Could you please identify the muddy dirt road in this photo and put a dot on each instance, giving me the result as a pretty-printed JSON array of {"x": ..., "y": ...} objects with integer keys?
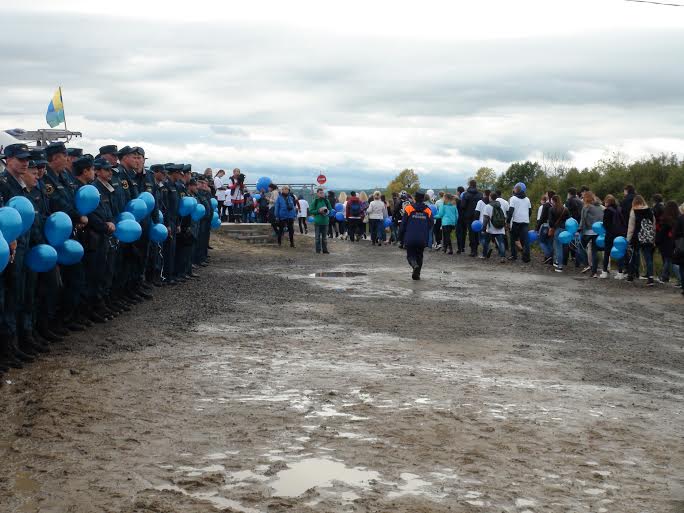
[{"x": 259, "y": 388}]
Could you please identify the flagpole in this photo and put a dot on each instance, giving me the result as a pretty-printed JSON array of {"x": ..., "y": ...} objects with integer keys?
[{"x": 64, "y": 113}]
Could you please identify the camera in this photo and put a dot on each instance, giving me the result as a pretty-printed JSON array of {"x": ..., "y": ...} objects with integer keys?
[
  {"x": 241, "y": 178},
  {"x": 324, "y": 211}
]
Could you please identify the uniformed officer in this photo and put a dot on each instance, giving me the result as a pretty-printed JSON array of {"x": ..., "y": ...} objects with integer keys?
[
  {"x": 60, "y": 191},
  {"x": 204, "y": 198},
  {"x": 19, "y": 341},
  {"x": 171, "y": 222},
  {"x": 184, "y": 237},
  {"x": 160, "y": 192},
  {"x": 144, "y": 181}
]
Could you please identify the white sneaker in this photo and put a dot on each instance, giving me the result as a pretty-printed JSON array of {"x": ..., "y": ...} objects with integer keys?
[
  {"x": 620, "y": 276},
  {"x": 586, "y": 269},
  {"x": 558, "y": 270},
  {"x": 604, "y": 275},
  {"x": 439, "y": 246}
]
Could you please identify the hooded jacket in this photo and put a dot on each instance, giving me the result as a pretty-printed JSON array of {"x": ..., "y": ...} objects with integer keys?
[
  {"x": 469, "y": 202},
  {"x": 590, "y": 215}
]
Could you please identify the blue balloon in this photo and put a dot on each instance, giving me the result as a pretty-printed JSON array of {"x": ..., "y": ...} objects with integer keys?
[
  {"x": 263, "y": 183},
  {"x": 158, "y": 233},
  {"x": 565, "y": 237},
  {"x": 41, "y": 258},
  {"x": 617, "y": 253},
  {"x": 601, "y": 241},
  {"x": 214, "y": 203},
  {"x": 87, "y": 198},
  {"x": 256, "y": 197},
  {"x": 571, "y": 225},
  {"x": 331, "y": 213},
  {"x": 198, "y": 212},
  {"x": 339, "y": 207},
  {"x": 186, "y": 206},
  {"x": 125, "y": 215},
  {"x": 149, "y": 200},
  {"x": 522, "y": 186},
  {"x": 215, "y": 221},
  {"x": 476, "y": 225},
  {"x": 161, "y": 217},
  {"x": 388, "y": 222},
  {"x": 621, "y": 243},
  {"x": 339, "y": 216},
  {"x": 532, "y": 236},
  {"x": 69, "y": 253},
  {"x": 138, "y": 208},
  {"x": 11, "y": 224},
  {"x": 58, "y": 228},
  {"x": 26, "y": 210},
  {"x": 433, "y": 208},
  {"x": 4, "y": 253},
  {"x": 598, "y": 228},
  {"x": 128, "y": 231},
  {"x": 310, "y": 219}
]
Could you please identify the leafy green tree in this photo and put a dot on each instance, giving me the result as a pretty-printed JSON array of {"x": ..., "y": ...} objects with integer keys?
[
  {"x": 407, "y": 181},
  {"x": 485, "y": 178},
  {"x": 525, "y": 172}
]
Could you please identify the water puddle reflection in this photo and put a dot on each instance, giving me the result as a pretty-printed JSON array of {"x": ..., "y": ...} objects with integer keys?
[{"x": 322, "y": 473}]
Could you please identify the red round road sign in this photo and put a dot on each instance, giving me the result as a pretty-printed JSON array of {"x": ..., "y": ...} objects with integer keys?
[{"x": 321, "y": 179}]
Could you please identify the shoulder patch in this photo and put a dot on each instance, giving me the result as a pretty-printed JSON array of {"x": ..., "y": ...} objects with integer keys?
[
  {"x": 49, "y": 189},
  {"x": 182, "y": 194},
  {"x": 124, "y": 184}
]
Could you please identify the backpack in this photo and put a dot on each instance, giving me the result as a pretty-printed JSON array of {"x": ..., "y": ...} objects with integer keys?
[
  {"x": 646, "y": 232},
  {"x": 355, "y": 209},
  {"x": 498, "y": 219}
]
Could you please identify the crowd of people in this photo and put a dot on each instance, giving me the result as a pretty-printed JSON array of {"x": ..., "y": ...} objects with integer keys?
[
  {"x": 39, "y": 308},
  {"x": 479, "y": 223}
]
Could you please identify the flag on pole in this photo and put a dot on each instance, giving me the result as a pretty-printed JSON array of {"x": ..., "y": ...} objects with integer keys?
[{"x": 55, "y": 112}]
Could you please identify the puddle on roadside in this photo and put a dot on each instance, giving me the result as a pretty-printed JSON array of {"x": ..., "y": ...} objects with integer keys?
[
  {"x": 321, "y": 473},
  {"x": 337, "y": 274},
  {"x": 24, "y": 484},
  {"x": 214, "y": 498}
]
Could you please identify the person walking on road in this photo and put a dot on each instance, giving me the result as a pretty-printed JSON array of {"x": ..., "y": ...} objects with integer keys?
[{"x": 415, "y": 229}]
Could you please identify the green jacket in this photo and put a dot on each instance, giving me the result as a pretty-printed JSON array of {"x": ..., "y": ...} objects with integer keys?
[{"x": 317, "y": 204}]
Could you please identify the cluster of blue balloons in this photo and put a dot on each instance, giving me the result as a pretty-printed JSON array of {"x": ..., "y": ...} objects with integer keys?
[
  {"x": 388, "y": 222},
  {"x": 619, "y": 248}
]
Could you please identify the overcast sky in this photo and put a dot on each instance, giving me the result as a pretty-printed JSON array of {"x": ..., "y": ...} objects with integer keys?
[{"x": 359, "y": 90}]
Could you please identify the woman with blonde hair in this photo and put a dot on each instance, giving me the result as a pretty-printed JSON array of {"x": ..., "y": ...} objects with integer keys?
[
  {"x": 342, "y": 198},
  {"x": 376, "y": 214},
  {"x": 641, "y": 237},
  {"x": 363, "y": 197}
]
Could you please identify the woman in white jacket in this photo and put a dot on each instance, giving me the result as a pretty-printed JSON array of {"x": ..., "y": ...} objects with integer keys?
[{"x": 376, "y": 213}]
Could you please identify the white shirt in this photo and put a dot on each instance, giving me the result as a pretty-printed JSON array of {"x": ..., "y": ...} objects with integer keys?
[
  {"x": 218, "y": 185},
  {"x": 303, "y": 208},
  {"x": 488, "y": 211},
  {"x": 376, "y": 210},
  {"x": 539, "y": 211},
  {"x": 522, "y": 207},
  {"x": 480, "y": 207}
]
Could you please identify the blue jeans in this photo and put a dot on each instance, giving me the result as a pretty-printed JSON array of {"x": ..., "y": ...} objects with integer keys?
[
  {"x": 558, "y": 250},
  {"x": 498, "y": 240},
  {"x": 545, "y": 242},
  {"x": 667, "y": 269},
  {"x": 321, "y": 237},
  {"x": 635, "y": 263},
  {"x": 376, "y": 227}
]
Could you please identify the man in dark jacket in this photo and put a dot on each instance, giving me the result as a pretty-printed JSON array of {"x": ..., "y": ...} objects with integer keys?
[
  {"x": 574, "y": 204},
  {"x": 626, "y": 204},
  {"x": 415, "y": 228},
  {"x": 468, "y": 204}
]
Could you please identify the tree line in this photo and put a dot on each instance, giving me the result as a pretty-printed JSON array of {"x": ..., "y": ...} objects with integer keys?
[{"x": 663, "y": 174}]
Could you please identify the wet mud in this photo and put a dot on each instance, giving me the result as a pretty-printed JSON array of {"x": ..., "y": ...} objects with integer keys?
[{"x": 272, "y": 385}]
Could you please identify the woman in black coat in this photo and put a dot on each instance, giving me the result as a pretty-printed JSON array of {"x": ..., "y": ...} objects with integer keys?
[{"x": 678, "y": 253}]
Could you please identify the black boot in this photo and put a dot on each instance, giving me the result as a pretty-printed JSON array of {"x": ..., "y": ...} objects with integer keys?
[
  {"x": 18, "y": 353},
  {"x": 7, "y": 358},
  {"x": 30, "y": 345}
]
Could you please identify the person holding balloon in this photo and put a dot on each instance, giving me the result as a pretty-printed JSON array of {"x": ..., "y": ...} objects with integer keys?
[
  {"x": 591, "y": 219},
  {"x": 519, "y": 213},
  {"x": 558, "y": 215},
  {"x": 16, "y": 220},
  {"x": 285, "y": 213},
  {"x": 614, "y": 226}
]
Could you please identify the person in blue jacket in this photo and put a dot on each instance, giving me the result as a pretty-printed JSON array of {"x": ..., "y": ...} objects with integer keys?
[
  {"x": 448, "y": 213},
  {"x": 416, "y": 225},
  {"x": 285, "y": 214}
]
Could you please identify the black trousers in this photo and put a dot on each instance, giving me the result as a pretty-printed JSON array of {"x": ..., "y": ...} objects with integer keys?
[
  {"x": 302, "y": 224},
  {"x": 437, "y": 231},
  {"x": 414, "y": 255},
  {"x": 446, "y": 230},
  {"x": 290, "y": 230}
]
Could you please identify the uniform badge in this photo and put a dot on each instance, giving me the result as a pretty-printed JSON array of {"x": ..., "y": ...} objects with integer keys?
[
  {"x": 182, "y": 195},
  {"x": 124, "y": 184},
  {"x": 49, "y": 189}
]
